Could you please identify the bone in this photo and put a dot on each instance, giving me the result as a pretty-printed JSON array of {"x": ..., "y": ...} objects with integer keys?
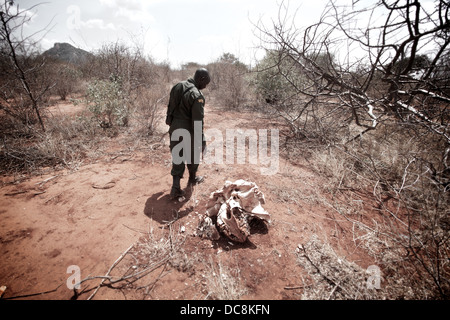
[{"x": 233, "y": 206}]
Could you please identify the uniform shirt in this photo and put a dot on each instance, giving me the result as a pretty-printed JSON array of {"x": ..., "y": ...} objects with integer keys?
[{"x": 190, "y": 108}]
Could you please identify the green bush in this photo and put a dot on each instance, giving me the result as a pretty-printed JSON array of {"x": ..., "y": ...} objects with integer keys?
[{"x": 108, "y": 103}]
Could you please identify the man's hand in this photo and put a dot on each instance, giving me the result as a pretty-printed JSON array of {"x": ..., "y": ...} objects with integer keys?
[{"x": 203, "y": 147}]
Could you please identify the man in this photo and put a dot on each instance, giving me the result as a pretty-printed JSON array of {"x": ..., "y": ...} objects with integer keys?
[{"x": 184, "y": 113}]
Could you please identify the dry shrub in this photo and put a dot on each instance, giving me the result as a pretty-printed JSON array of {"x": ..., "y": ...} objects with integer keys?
[
  {"x": 233, "y": 93},
  {"x": 229, "y": 83},
  {"x": 149, "y": 106},
  {"x": 400, "y": 168},
  {"x": 151, "y": 255},
  {"x": 68, "y": 79},
  {"x": 223, "y": 283},
  {"x": 69, "y": 141},
  {"x": 65, "y": 143},
  {"x": 333, "y": 277},
  {"x": 167, "y": 247}
]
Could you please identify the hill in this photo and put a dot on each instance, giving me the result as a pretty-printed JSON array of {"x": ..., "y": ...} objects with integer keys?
[{"x": 68, "y": 53}]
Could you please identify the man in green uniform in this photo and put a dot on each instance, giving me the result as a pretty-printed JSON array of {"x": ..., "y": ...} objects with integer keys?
[{"x": 185, "y": 114}]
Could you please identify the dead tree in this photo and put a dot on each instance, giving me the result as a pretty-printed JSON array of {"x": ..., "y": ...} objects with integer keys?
[
  {"x": 371, "y": 70},
  {"x": 21, "y": 88},
  {"x": 366, "y": 66}
]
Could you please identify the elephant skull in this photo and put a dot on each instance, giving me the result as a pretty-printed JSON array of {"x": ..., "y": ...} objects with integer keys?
[{"x": 234, "y": 206}]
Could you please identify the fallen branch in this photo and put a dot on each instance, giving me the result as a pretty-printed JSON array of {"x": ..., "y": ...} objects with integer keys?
[
  {"x": 329, "y": 280},
  {"x": 150, "y": 287},
  {"x": 298, "y": 287},
  {"x": 46, "y": 180},
  {"x": 135, "y": 276},
  {"x": 110, "y": 269},
  {"x": 130, "y": 156},
  {"x": 15, "y": 192},
  {"x": 332, "y": 291}
]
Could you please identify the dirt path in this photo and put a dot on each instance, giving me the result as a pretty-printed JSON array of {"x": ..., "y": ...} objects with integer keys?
[{"x": 90, "y": 216}]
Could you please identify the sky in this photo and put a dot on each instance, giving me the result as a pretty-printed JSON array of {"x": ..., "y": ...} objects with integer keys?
[{"x": 171, "y": 31}]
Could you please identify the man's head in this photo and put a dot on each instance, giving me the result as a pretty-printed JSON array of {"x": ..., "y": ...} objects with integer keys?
[{"x": 202, "y": 78}]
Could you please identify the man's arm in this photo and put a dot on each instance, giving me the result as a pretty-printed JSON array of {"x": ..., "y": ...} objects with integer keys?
[
  {"x": 198, "y": 107},
  {"x": 173, "y": 103},
  {"x": 198, "y": 113}
]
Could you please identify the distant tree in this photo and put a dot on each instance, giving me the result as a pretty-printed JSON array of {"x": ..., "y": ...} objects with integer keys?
[
  {"x": 229, "y": 80},
  {"x": 190, "y": 66},
  {"x": 68, "y": 77}
]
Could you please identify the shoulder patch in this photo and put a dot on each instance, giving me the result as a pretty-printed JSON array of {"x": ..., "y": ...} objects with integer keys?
[{"x": 201, "y": 100}]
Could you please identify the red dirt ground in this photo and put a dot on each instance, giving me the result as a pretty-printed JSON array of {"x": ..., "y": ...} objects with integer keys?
[{"x": 88, "y": 217}]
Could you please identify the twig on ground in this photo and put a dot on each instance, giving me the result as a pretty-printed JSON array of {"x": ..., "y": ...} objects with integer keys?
[
  {"x": 33, "y": 294},
  {"x": 134, "y": 277},
  {"x": 329, "y": 280},
  {"x": 298, "y": 287},
  {"x": 13, "y": 193},
  {"x": 46, "y": 180},
  {"x": 110, "y": 269}
]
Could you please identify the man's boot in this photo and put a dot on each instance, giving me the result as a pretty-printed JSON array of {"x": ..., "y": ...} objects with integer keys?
[
  {"x": 194, "y": 179},
  {"x": 176, "y": 188}
]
